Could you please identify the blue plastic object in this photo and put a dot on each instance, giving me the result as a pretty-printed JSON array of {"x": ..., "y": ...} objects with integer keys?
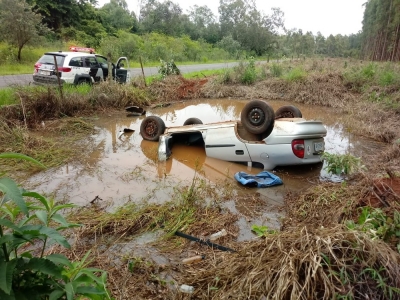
[{"x": 262, "y": 180}]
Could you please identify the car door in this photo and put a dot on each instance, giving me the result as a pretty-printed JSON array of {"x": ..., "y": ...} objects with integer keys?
[
  {"x": 103, "y": 65},
  {"x": 222, "y": 143},
  {"x": 121, "y": 71},
  {"x": 94, "y": 68}
]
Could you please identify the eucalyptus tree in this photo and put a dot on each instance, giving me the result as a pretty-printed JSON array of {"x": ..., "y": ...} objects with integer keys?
[
  {"x": 203, "y": 24},
  {"x": 251, "y": 28},
  {"x": 19, "y": 25},
  {"x": 320, "y": 44},
  {"x": 381, "y": 30}
]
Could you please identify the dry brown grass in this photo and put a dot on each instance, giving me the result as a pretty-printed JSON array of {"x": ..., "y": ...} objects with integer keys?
[{"x": 300, "y": 264}]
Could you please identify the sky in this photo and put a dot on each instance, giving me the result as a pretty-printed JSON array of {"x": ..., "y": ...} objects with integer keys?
[{"x": 327, "y": 16}]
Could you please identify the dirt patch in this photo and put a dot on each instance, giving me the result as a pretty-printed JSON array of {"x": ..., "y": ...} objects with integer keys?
[{"x": 383, "y": 193}]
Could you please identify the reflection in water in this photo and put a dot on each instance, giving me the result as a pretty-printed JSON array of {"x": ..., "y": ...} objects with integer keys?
[{"x": 126, "y": 168}]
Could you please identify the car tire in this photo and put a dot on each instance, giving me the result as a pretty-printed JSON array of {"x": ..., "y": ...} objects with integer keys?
[
  {"x": 151, "y": 128},
  {"x": 257, "y": 116},
  {"x": 192, "y": 121},
  {"x": 83, "y": 81},
  {"x": 288, "y": 111},
  {"x": 267, "y": 132}
]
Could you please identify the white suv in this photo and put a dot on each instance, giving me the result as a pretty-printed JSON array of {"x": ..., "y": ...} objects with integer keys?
[{"x": 78, "y": 68}]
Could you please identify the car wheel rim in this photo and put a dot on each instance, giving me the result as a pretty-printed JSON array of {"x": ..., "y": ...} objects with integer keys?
[
  {"x": 256, "y": 116},
  {"x": 151, "y": 128}
]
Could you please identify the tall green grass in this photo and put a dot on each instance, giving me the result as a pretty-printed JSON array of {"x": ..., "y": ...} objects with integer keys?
[
  {"x": 7, "y": 96},
  {"x": 295, "y": 74}
]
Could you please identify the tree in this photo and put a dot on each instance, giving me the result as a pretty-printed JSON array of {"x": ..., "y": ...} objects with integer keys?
[
  {"x": 58, "y": 14},
  {"x": 245, "y": 23},
  {"x": 115, "y": 16},
  {"x": 160, "y": 17},
  {"x": 203, "y": 24},
  {"x": 26, "y": 24}
]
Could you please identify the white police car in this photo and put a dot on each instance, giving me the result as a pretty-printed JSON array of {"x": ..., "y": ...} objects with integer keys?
[{"x": 78, "y": 66}]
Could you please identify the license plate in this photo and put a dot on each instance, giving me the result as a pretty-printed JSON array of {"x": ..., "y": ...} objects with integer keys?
[
  {"x": 42, "y": 72},
  {"x": 318, "y": 147}
]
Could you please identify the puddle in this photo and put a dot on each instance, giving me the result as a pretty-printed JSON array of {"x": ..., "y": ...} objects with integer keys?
[{"x": 124, "y": 167}]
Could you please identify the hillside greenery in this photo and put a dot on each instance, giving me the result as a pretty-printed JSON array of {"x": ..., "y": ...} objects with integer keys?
[{"x": 161, "y": 30}]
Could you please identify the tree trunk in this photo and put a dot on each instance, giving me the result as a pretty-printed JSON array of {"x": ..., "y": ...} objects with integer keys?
[
  {"x": 395, "y": 43},
  {"x": 19, "y": 53}
]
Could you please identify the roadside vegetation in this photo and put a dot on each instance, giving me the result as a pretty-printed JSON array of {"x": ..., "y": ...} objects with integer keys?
[{"x": 336, "y": 241}]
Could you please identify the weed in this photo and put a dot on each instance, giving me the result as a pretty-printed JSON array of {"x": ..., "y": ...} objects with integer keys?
[
  {"x": 276, "y": 70},
  {"x": 388, "y": 77},
  {"x": 249, "y": 75},
  {"x": 342, "y": 164},
  {"x": 295, "y": 74},
  {"x": 376, "y": 223},
  {"x": 262, "y": 230},
  {"x": 168, "y": 68},
  {"x": 227, "y": 77}
]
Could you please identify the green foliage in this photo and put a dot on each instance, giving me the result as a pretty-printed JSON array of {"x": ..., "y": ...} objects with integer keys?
[
  {"x": 340, "y": 164},
  {"x": 249, "y": 75},
  {"x": 25, "y": 24},
  {"x": 262, "y": 230},
  {"x": 295, "y": 74},
  {"x": 378, "y": 225},
  {"x": 276, "y": 70},
  {"x": 168, "y": 68},
  {"x": 368, "y": 71},
  {"x": 25, "y": 272},
  {"x": 7, "y": 96}
]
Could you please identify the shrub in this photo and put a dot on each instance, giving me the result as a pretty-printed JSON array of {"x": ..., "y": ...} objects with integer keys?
[
  {"x": 27, "y": 273},
  {"x": 249, "y": 75},
  {"x": 168, "y": 68},
  {"x": 340, "y": 164}
]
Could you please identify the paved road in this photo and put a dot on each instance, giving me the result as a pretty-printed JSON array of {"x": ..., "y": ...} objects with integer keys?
[{"x": 26, "y": 79}]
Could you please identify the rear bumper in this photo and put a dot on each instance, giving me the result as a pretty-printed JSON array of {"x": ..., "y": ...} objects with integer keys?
[{"x": 44, "y": 80}]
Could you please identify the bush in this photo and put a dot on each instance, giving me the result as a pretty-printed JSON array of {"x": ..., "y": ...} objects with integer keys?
[{"x": 249, "y": 75}]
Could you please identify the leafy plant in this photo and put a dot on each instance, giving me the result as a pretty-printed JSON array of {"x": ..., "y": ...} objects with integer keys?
[
  {"x": 376, "y": 223},
  {"x": 168, "y": 68},
  {"x": 262, "y": 230},
  {"x": 27, "y": 228},
  {"x": 340, "y": 164}
]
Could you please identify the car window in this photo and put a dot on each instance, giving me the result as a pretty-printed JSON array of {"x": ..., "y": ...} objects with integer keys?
[
  {"x": 101, "y": 59},
  {"x": 76, "y": 62},
  {"x": 90, "y": 62},
  {"x": 49, "y": 59}
]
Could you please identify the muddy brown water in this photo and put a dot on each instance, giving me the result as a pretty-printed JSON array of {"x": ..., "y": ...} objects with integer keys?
[{"x": 124, "y": 167}]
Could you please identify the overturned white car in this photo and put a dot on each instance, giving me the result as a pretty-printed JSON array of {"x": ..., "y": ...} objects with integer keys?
[{"x": 262, "y": 136}]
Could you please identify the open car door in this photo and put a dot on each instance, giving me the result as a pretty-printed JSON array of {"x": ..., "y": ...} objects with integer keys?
[{"x": 121, "y": 71}]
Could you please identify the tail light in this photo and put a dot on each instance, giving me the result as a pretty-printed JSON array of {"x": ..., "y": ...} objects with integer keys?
[
  {"x": 37, "y": 66},
  {"x": 64, "y": 69},
  {"x": 298, "y": 148}
]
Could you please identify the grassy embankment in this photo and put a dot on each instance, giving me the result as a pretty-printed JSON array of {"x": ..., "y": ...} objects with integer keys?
[{"x": 338, "y": 241}]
